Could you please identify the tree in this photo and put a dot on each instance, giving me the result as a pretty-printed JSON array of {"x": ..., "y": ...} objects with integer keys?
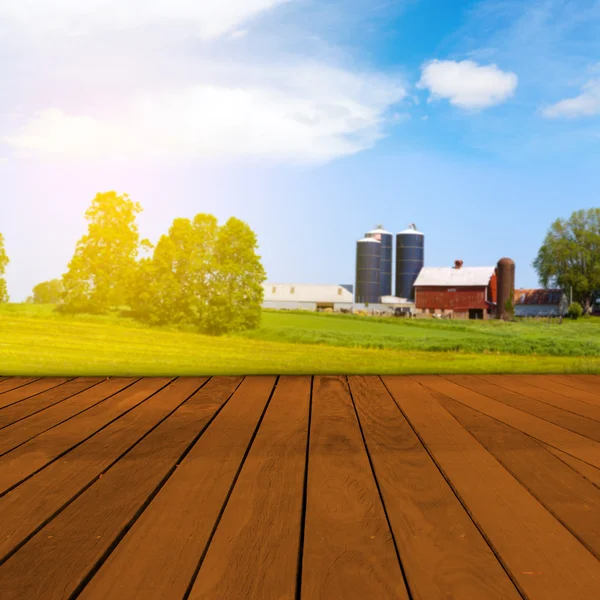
[
  {"x": 3, "y": 264},
  {"x": 570, "y": 255},
  {"x": 48, "y": 292},
  {"x": 202, "y": 275},
  {"x": 105, "y": 258},
  {"x": 237, "y": 287},
  {"x": 174, "y": 286},
  {"x": 575, "y": 310}
]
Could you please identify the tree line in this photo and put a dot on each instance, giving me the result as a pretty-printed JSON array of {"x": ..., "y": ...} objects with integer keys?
[
  {"x": 200, "y": 273},
  {"x": 210, "y": 276},
  {"x": 569, "y": 257}
]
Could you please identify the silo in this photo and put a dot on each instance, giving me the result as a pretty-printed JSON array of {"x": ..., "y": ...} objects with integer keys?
[
  {"x": 368, "y": 262},
  {"x": 505, "y": 286},
  {"x": 410, "y": 257},
  {"x": 385, "y": 275}
]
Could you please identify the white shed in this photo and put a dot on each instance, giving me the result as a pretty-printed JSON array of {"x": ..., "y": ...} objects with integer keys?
[{"x": 306, "y": 296}]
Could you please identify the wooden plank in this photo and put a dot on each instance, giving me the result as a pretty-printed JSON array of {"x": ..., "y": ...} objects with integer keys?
[
  {"x": 33, "y": 405},
  {"x": 35, "y": 454},
  {"x": 161, "y": 552},
  {"x": 30, "y": 505},
  {"x": 552, "y": 385},
  {"x": 264, "y": 512},
  {"x": 12, "y": 383},
  {"x": 592, "y": 474},
  {"x": 31, "y": 389},
  {"x": 544, "y": 559},
  {"x": 563, "y": 418},
  {"x": 349, "y": 550},
  {"x": 523, "y": 386},
  {"x": 20, "y": 432},
  {"x": 586, "y": 383},
  {"x": 573, "y": 500},
  {"x": 567, "y": 441},
  {"x": 87, "y": 529},
  {"x": 443, "y": 553}
]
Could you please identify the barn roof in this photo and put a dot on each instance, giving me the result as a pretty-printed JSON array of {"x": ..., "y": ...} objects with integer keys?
[
  {"x": 538, "y": 297},
  {"x": 449, "y": 277}
]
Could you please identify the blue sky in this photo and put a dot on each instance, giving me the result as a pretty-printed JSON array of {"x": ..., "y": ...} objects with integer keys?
[{"x": 313, "y": 120}]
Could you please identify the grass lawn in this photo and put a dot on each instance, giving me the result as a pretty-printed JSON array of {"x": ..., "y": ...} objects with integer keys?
[
  {"x": 570, "y": 338},
  {"x": 36, "y": 341}
]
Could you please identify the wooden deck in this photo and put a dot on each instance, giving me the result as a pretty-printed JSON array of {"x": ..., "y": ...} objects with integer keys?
[{"x": 297, "y": 487}]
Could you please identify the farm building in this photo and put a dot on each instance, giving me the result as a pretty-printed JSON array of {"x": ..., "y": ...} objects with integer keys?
[
  {"x": 456, "y": 292},
  {"x": 304, "y": 296},
  {"x": 538, "y": 303}
]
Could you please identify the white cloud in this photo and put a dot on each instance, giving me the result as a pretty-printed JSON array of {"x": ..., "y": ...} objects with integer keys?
[
  {"x": 209, "y": 18},
  {"x": 467, "y": 84},
  {"x": 307, "y": 112},
  {"x": 238, "y": 33},
  {"x": 584, "y": 105}
]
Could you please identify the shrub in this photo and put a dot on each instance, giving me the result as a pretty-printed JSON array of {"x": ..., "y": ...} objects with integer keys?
[{"x": 575, "y": 311}]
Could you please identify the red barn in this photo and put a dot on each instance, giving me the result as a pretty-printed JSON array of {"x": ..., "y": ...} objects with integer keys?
[{"x": 459, "y": 292}]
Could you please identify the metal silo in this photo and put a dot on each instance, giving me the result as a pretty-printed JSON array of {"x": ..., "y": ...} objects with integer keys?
[
  {"x": 505, "y": 285},
  {"x": 410, "y": 257},
  {"x": 368, "y": 263},
  {"x": 387, "y": 242}
]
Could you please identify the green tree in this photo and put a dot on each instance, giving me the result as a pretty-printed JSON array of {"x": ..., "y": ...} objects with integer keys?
[
  {"x": 105, "y": 259},
  {"x": 570, "y": 255},
  {"x": 202, "y": 275},
  {"x": 3, "y": 264},
  {"x": 575, "y": 311},
  {"x": 237, "y": 296},
  {"x": 48, "y": 292},
  {"x": 174, "y": 286}
]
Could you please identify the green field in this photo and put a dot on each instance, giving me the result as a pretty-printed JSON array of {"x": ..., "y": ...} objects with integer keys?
[{"x": 36, "y": 341}]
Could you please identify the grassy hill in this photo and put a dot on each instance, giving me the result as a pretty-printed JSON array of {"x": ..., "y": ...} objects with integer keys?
[{"x": 34, "y": 340}]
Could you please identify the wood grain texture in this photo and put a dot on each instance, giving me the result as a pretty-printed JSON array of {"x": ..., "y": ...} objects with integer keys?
[
  {"x": 443, "y": 553},
  {"x": 28, "y": 506},
  {"x": 567, "y": 441},
  {"x": 20, "y": 432},
  {"x": 141, "y": 495},
  {"x": 159, "y": 555},
  {"x": 12, "y": 383},
  {"x": 254, "y": 552},
  {"x": 586, "y": 383},
  {"x": 563, "y": 568},
  {"x": 592, "y": 474},
  {"x": 30, "y": 389},
  {"x": 348, "y": 547},
  {"x": 46, "y": 447},
  {"x": 568, "y": 391},
  {"x": 563, "y": 418},
  {"x": 31, "y": 406},
  {"x": 573, "y": 500},
  {"x": 525, "y": 387},
  {"x": 87, "y": 528}
]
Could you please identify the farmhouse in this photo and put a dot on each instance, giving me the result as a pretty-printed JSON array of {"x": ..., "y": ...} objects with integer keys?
[
  {"x": 456, "y": 292},
  {"x": 303, "y": 296},
  {"x": 538, "y": 303}
]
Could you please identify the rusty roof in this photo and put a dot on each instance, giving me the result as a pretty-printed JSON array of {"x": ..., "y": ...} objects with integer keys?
[{"x": 540, "y": 296}]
